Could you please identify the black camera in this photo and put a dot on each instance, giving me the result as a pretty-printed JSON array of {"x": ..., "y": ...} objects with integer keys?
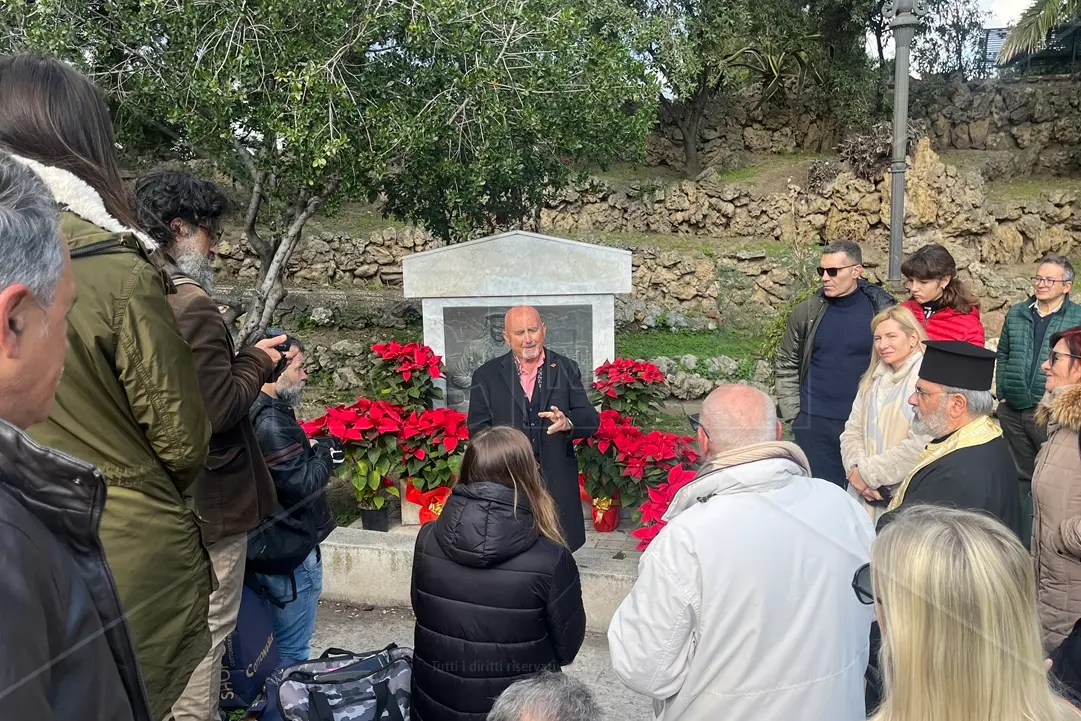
[
  {"x": 282, "y": 348},
  {"x": 337, "y": 453}
]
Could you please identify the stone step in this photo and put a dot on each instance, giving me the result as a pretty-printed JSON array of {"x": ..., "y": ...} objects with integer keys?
[{"x": 374, "y": 568}]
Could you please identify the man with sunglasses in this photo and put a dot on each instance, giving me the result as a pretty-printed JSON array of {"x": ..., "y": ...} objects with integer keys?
[
  {"x": 968, "y": 464},
  {"x": 825, "y": 350},
  {"x": 1022, "y": 346},
  {"x": 235, "y": 489}
]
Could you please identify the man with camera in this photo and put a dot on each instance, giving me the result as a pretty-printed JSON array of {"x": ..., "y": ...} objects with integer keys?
[
  {"x": 235, "y": 490},
  {"x": 283, "y": 554}
]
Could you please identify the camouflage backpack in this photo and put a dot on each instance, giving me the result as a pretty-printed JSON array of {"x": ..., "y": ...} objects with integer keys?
[{"x": 346, "y": 686}]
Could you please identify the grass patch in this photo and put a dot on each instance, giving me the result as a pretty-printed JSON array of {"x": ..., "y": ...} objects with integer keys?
[
  {"x": 1025, "y": 189},
  {"x": 650, "y": 344},
  {"x": 630, "y": 172}
]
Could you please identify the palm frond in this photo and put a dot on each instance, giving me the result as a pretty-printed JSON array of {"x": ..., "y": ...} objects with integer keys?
[{"x": 1035, "y": 23}]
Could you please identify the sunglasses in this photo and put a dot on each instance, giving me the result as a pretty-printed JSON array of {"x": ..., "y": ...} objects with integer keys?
[
  {"x": 861, "y": 584},
  {"x": 832, "y": 272},
  {"x": 695, "y": 420}
]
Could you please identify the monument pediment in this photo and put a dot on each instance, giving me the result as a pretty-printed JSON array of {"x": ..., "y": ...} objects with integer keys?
[{"x": 514, "y": 264}]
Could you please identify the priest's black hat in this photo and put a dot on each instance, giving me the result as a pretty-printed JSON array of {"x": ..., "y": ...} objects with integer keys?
[{"x": 958, "y": 364}]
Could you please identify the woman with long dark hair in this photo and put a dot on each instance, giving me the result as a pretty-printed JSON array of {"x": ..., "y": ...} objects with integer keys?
[
  {"x": 940, "y": 301},
  {"x": 495, "y": 589},
  {"x": 129, "y": 400}
]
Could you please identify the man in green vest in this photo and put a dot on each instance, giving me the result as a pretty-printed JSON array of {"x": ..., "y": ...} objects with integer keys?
[{"x": 1022, "y": 347}]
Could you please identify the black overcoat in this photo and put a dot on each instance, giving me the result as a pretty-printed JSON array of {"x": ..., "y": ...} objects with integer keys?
[{"x": 497, "y": 399}]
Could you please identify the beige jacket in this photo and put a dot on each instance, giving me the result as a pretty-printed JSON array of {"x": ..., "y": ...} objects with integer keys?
[
  {"x": 878, "y": 436},
  {"x": 1056, "y": 525}
]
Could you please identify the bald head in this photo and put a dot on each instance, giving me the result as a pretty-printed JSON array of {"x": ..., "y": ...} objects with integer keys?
[
  {"x": 524, "y": 333},
  {"x": 738, "y": 415}
]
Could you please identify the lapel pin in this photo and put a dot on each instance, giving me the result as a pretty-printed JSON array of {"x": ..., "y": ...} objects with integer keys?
[{"x": 553, "y": 365}]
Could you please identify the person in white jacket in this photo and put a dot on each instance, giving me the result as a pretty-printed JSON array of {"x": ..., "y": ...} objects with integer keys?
[
  {"x": 743, "y": 609},
  {"x": 878, "y": 446}
]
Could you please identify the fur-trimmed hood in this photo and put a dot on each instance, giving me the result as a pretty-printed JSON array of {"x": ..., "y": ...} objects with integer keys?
[
  {"x": 76, "y": 195},
  {"x": 1061, "y": 406}
]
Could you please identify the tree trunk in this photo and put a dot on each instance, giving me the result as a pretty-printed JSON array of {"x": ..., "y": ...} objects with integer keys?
[
  {"x": 270, "y": 291},
  {"x": 690, "y": 150}
]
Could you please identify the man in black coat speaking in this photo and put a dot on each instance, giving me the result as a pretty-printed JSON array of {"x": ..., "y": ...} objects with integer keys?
[{"x": 538, "y": 391}]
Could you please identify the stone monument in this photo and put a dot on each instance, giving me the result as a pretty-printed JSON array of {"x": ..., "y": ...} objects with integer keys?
[{"x": 466, "y": 289}]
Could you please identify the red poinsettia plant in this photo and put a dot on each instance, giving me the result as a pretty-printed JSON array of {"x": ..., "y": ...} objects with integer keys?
[
  {"x": 431, "y": 502},
  {"x": 656, "y": 504},
  {"x": 620, "y": 463},
  {"x": 368, "y": 431},
  {"x": 633, "y": 388},
  {"x": 405, "y": 374},
  {"x": 432, "y": 443}
]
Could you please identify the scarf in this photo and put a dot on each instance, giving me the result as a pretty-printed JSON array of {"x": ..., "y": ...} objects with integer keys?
[
  {"x": 757, "y": 452},
  {"x": 980, "y": 431},
  {"x": 931, "y": 308}
]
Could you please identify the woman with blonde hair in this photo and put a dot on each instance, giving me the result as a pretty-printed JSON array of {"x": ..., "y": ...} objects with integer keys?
[
  {"x": 955, "y": 595},
  {"x": 495, "y": 592},
  {"x": 878, "y": 447}
]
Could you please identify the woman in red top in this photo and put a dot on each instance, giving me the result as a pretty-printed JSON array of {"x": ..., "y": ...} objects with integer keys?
[{"x": 940, "y": 301}]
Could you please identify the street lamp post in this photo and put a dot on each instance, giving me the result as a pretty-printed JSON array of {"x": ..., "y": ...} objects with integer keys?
[{"x": 905, "y": 14}]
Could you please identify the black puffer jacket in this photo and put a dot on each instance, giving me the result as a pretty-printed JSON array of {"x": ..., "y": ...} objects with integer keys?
[
  {"x": 495, "y": 602},
  {"x": 64, "y": 643}
]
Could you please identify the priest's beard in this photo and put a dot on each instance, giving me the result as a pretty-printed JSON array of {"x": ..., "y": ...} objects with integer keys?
[
  {"x": 932, "y": 424},
  {"x": 289, "y": 393},
  {"x": 196, "y": 266}
]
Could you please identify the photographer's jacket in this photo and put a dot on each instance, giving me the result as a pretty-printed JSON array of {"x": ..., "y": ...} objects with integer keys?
[{"x": 234, "y": 491}]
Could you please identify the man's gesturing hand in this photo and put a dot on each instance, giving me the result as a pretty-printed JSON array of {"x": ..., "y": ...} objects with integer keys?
[{"x": 559, "y": 421}]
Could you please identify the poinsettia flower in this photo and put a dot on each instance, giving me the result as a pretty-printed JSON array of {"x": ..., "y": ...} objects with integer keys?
[{"x": 646, "y": 534}]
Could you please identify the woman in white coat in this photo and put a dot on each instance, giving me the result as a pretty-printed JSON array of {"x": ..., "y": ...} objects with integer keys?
[{"x": 878, "y": 447}]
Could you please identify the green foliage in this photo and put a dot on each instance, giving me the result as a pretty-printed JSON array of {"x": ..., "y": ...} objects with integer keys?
[
  {"x": 1039, "y": 19},
  {"x": 652, "y": 344},
  {"x": 949, "y": 39},
  {"x": 774, "y": 330},
  {"x": 369, "y": 469}
]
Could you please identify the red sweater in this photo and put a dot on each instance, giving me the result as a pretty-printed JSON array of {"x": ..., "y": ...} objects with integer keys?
[{"x": 948, "y": 324}]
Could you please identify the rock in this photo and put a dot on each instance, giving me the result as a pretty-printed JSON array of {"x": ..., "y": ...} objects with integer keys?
[
  {"x": 763, "y": 372},
  {"x": 322, "y": 317},
  {"x": 960, "y": 137},
  {"x": 977, "y": 132},
  {"x": 689, "y": 362},
  {"x": 757, "y": 140},
  {"x": 666, "y": 365},
  {"x": 689, "y": 386},
  {"x": 676, "y": 320},
  {"x": 1004, "y": 245},
  {"x": 350, "y": 348},
  {"x": 721, "y": 367},
  {"x": 682, "y": 291},
  {"x": 345, "y": 379},
  {"x": 651, "y": 317}
]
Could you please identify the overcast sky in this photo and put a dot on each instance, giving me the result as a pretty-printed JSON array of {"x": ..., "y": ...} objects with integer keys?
[{"x": 1003, "y": 14}]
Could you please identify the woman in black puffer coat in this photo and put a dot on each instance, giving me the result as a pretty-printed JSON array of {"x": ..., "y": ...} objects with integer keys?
[{"x": 495, "y": 591}]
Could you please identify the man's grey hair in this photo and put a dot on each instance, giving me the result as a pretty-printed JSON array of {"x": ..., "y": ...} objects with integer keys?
[
  {"x": 1062, "y": 262},
  {"x": 980, "y": 403},
  {"x": 848, "y": 247},
  {"x": 30, "y": 251},
  {"x": 738, "y": 415},
  {"x": 547, "y": 697}
]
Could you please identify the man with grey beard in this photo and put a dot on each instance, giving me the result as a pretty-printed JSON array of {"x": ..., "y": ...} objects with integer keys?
[
  {"x": 968, "y": 463},
  {"x": 235, "y": 491},
  {"x": 283, "y": 554}
]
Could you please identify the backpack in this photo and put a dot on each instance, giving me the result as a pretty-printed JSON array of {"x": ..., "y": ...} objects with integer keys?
[{"x": 347, "y": 686}]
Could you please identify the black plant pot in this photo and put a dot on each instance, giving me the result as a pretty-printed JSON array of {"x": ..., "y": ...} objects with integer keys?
[{"x": 375, "y": 520}]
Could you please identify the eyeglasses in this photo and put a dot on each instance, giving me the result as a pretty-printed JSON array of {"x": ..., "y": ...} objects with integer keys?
[
  {"x": 695, "y": 420},
  {"x": 861, "y": 584},
  {"x": 832, "y": 272},
  {"x": 1054, "y": 355},
  {"x": 214, "y": 231},
  {"x": 1038, "y": 280},
  {"x": 923, "y": 394}
]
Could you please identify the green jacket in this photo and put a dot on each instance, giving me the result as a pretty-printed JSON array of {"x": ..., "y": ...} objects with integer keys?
[
  {"x": 794, "y": 351},
  {"x": 129, "y": 403},
  {"x": 1019, "y": 379}
]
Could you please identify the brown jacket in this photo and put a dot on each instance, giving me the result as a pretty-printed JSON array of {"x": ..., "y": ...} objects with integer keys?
[
  {"x": 1056, "y": 526},
  {"x": 235, "y": 489}
]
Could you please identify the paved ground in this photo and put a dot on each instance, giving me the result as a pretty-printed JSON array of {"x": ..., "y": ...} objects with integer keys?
[{"x": 364, "y": 630}]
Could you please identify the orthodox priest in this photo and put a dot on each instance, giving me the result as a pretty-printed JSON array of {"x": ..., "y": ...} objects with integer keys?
[
  {"x": 539, "y": 392},
  {"x": 968, "y": 464}
]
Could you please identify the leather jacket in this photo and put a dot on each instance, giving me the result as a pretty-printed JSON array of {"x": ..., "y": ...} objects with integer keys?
[{"x": 67, "y": 653}]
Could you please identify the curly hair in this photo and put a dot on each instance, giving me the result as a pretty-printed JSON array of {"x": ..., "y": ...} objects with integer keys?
[
  {"x": 164, "y": 195},
  {"x": 934, "y": 262}
]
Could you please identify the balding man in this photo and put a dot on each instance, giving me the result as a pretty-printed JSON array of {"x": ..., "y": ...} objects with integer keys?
[
  {"x": 540, "y": 392},
  {"x": 743, "y": 608}
]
